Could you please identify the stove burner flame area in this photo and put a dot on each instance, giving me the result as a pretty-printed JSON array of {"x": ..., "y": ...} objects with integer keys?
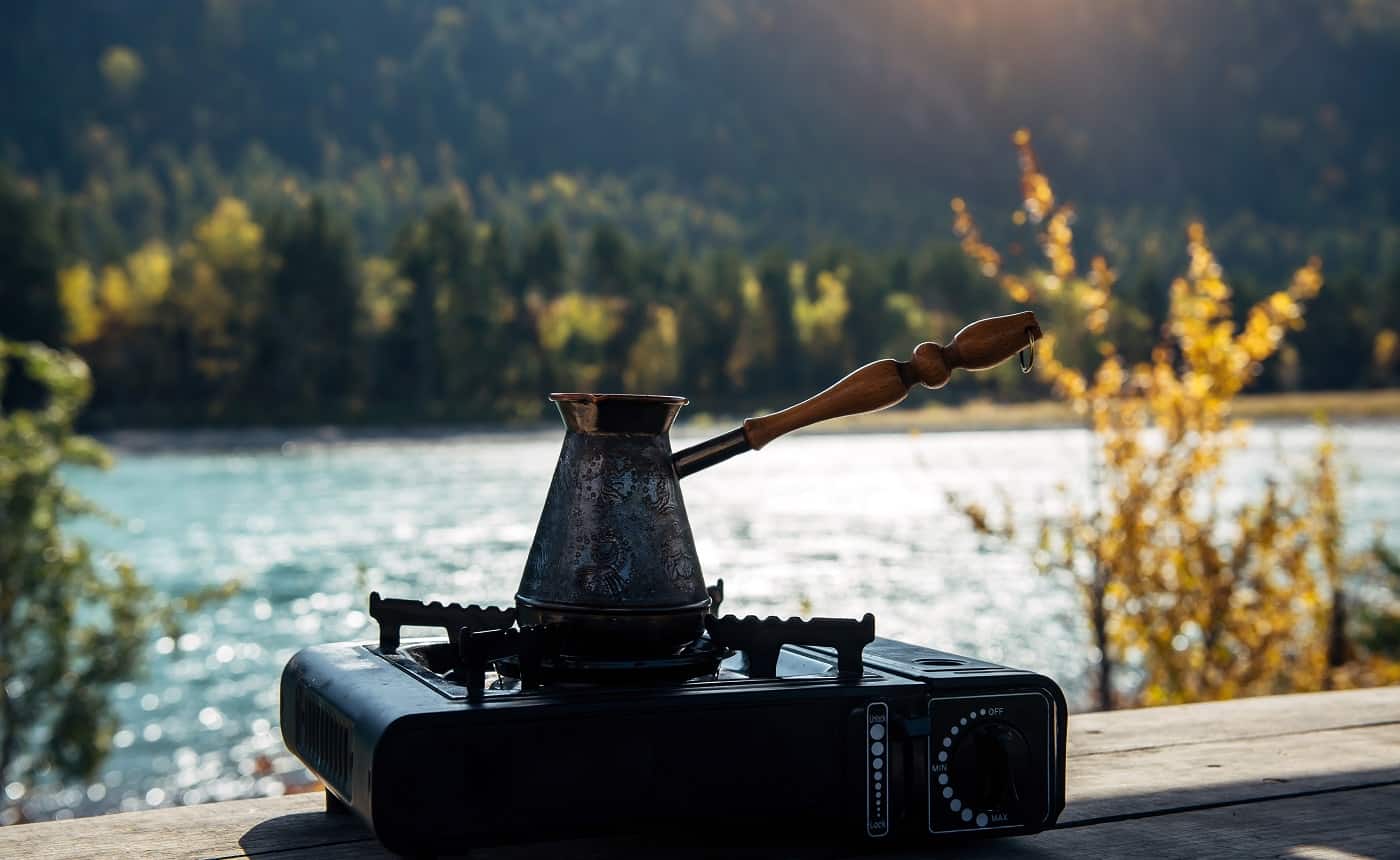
[{"x": 485, "y": 649}]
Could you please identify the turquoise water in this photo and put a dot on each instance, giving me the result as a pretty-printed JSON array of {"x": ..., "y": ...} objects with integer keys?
[{"x": 817, "y": 524}]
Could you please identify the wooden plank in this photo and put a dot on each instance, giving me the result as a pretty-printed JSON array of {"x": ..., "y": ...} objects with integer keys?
[
  {"x": 1167, "y": 763},
  {"x": 1331, "y": 826},
  {"x": 1114, "y": 731},
  {"x": 1327, "y": 826},
  {"x": 1141, "y": 781},
  {"x": 183, "y": 831}
]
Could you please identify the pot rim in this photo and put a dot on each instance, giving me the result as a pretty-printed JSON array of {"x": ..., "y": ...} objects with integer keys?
[
  {"x": 584, "y": 397},
  {"x": 626, "y": 414}
]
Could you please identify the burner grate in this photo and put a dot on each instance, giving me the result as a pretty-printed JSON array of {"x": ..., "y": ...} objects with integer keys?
[
  {"x": 486, "y": 641},
  {"x": 761, "y": 639},
  {"x": 394, "y": 613}
]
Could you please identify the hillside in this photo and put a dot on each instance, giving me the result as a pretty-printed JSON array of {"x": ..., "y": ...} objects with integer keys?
[{"x": 754, "y": 121}]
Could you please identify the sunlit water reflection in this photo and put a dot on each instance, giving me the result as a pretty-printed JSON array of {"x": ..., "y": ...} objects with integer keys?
[{"x": 826, "y": 525}]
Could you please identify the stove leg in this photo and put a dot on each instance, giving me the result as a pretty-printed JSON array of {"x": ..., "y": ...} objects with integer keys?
[{"x": 335, "y": 806}]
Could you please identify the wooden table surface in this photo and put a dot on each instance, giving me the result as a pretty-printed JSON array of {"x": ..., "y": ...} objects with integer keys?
[{"x": 1310, "y": 775}]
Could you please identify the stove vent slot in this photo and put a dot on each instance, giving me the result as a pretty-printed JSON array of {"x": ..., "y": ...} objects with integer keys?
[{"x": 324, "y": 740}]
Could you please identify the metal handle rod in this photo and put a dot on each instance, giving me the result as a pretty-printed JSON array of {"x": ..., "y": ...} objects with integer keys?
[{"x": 879, "y": 385}]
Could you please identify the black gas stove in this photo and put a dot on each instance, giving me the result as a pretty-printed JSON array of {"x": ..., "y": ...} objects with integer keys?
[{"x": 815, "y": 728}]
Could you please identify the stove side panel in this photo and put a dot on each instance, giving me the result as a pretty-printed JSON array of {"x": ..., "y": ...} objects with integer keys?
[{"x": 648, "y": 767}]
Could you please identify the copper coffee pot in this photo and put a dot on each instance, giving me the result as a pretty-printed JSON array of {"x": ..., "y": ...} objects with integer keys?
[{"x": 613, "y": 565}]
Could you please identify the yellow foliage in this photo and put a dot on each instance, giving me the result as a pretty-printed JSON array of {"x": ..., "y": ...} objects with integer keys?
[
  {"x": 384, "y": 292},
  {"x": 115, "y": 291},
  {"x": 820, "y": 319},
  {"x": 564, "y": 185},
  {"x": 77, "y": 294},
  {"x": 754, "y": 343},
  {"x": 210, "y": 306},
  {"x": 574, "y": 328},
  {"x": 908, "y": 309},
  {"x": 121, "y": 293},
  {"x": 1385, "y": 350},
  {"x": 1204, "y": 609},
  {"x": 752, "y": 292},
  {"x": 1037, "y": 198},
  {"x": 575, "y": 316},
  {"x": 987, "y": 258},
  {"x": 148, "y": 271},
  {"x": 216, "y": 283},
  {"x": 122, "y": 69},
  {"x": 229, "y": 238},
  {"x": 654, "y": 362}
]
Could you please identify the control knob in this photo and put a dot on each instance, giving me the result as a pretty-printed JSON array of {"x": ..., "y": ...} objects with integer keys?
[{"x": 991, "y": 768}]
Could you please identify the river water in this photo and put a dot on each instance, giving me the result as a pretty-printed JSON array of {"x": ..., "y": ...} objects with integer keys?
[{"x": 834, "y": 525}]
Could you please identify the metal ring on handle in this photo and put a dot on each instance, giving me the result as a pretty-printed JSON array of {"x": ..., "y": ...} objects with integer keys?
[{"x": 1027, "y": 356}]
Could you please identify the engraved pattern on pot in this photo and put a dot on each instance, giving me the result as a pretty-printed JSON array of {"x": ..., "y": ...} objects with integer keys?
[
  {"x": 613, "y": 559},
  {"x": 614, "y": 529}
]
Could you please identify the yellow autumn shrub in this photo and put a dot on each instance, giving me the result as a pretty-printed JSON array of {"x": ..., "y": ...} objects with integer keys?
[{"x": 1197, "y": 603}]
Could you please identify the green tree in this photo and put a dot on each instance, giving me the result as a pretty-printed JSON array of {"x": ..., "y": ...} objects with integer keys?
[
  {"x": 30, "y": 255},
  {"x": 509, "y": 351},
  {"x": 428, "y": 251},
  {"x": 711, "y": 300},
  {"x": 1338, "y": 337},
  {"x": 307, "y": 357},
  {"x": 70, "y": 626},
  {"x": 611, "y": 267},
  {"x": 543, "y": 266},
  {"x": 775, "y": 288},
  {"x": 613, "y": 271}
]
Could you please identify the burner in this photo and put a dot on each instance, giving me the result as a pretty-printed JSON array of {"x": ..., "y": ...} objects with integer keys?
[
  {"x": 699, "y": 659},
  {"x": 484, "y": 640}
]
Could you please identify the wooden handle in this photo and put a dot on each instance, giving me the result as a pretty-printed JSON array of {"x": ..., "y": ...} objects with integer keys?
[{"x": 881, "y": 384}]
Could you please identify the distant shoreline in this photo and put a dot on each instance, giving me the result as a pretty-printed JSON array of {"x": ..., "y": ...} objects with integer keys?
[{"x": 1339, "y": 406}]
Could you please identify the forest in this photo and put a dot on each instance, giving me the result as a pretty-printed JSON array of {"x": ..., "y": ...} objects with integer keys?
[{"x": 253, "y": 212}]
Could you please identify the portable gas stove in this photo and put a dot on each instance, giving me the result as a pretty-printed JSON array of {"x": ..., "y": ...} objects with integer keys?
[{"x": 814, "y": 728}]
